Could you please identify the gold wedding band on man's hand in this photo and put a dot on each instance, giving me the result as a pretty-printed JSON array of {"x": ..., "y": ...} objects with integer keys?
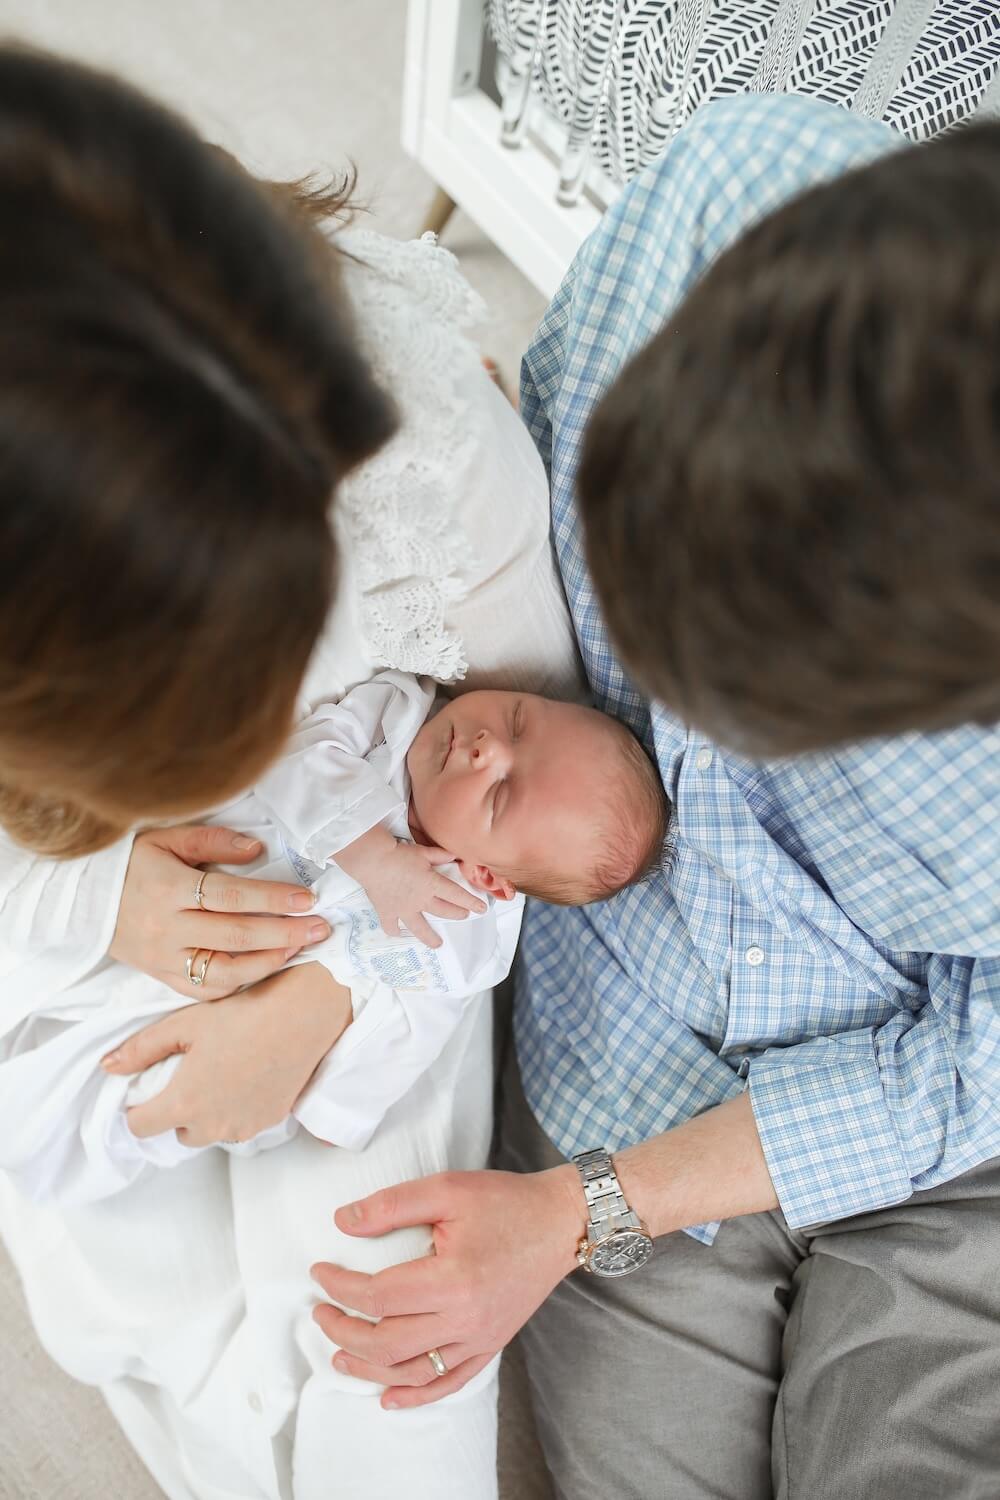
[
  {"x": 434, "y": 1355},
  {"x": 197, "y": 976}
]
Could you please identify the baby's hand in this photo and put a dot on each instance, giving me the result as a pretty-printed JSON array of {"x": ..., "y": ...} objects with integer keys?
[{"x": 402, "y": 884}]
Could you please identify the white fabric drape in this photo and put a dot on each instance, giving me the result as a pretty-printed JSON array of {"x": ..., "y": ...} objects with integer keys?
[{"x": 186, "y": 1297}]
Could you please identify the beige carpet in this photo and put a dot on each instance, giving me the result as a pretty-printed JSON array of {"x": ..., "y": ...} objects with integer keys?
[{"x": 290, "y": 86}]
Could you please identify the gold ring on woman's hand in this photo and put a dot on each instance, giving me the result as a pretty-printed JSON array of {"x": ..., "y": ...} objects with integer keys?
[
  {"x": 196, "y": 976},
  {"x": 199, "y": 891}
]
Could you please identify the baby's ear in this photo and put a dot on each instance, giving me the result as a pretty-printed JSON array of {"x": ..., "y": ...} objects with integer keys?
[{"x": 484, "y": 879}]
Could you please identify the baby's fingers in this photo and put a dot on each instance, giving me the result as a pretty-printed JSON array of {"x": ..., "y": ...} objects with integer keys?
[
  {"x": 227, "y": 972},
  {"x": 456, "y": 895},
  {"x": 435, "y": 855},
  {"x": 438, "y": 908},
  {"x": 419, "y": 927}
]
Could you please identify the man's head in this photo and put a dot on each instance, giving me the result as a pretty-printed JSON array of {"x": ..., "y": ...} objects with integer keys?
[
  {"x": 792, "y": 496},
  {"x": 530, "y": 794}
]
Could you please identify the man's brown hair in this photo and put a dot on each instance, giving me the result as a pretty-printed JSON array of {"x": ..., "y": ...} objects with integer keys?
[
  {"x": 791, "y": 497},
  {"x": 180, "y": 393}
]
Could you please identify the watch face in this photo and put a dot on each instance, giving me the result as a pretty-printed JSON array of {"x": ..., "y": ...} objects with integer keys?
[{"x": 624, "y": 1251}]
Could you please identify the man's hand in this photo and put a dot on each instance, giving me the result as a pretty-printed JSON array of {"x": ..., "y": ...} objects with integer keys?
[
  {"x": 246, "y": 1059},
  {"x": 501, "y": 1241},
  {"x": 401, "y": 882}
]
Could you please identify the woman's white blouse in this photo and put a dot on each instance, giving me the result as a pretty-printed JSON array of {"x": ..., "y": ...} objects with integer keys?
[{"x": 446, "y": 570}]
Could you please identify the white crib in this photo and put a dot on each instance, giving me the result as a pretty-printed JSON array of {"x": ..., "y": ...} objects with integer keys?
[{"x": 532, "y": 114}]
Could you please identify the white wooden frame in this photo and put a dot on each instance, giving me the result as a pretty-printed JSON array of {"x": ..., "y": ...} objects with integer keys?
[{"x": 452, "y": 128}]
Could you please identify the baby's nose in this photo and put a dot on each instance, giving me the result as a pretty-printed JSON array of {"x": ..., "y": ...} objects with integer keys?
[{"x": 485, "y": 747}]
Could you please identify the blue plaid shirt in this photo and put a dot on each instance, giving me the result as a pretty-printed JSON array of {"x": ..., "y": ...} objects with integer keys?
[{"x": 826, "y": 927}]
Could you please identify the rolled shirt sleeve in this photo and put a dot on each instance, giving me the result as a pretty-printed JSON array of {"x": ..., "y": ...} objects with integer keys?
[{"x": 859, "y": 1121}]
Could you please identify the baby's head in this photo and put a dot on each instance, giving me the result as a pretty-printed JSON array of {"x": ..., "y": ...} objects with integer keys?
[{"x": 539, "y": 796}]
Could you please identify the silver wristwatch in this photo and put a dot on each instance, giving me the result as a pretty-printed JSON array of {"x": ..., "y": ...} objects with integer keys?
[{"x": 617, "y": 1241}]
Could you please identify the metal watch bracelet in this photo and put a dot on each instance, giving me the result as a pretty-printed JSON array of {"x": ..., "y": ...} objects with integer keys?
[{"x": 617, "y": 1241}]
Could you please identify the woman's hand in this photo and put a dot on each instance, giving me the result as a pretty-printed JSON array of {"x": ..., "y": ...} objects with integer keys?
[
  {"x": 160, "y": 922},
  {"x": 246, "y": 1059}
]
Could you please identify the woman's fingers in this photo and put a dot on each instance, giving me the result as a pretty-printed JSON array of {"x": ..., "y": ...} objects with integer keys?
[
  {"x": 200, "y": 844},
  {"x": 153, "y": 1118},
  {"x": 229, "y": 934},
  {"x": 231, "y": 893},
  {"x": 170, "y": 907},
  {"x": 224, "y": 973},
  {"x": 229, "y": 972},
  {"x": 154, "y": 1042},
  {"x": 206, "y": 1135}
]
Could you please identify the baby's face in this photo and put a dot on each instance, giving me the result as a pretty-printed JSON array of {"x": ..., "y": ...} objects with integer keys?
[{"x": 507, "y": 781}]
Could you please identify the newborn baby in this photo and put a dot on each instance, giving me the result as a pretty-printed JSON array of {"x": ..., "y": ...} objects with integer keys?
[
  {"x": 529, "y": 794},
  {"x": 420, "y": 823}
]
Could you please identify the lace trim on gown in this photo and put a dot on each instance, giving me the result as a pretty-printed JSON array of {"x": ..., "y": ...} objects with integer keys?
[{"x": 411, "y": 303}]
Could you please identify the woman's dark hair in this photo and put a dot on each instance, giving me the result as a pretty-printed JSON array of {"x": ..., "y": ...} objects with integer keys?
[
  {"x": 180, "y": 393},
  {"x": 792, "y": 495}
]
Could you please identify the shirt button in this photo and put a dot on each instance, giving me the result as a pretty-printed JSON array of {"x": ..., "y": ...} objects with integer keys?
[
  {"x": 754, "y": 956},
  {"x": 255, "y": 1404},
  {"x": 703, "y": 760}
]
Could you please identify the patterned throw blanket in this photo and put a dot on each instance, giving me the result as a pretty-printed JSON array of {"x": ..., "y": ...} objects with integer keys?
[{"x": 622, "y": 76}]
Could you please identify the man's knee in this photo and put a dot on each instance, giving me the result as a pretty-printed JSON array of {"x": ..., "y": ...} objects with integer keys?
[{"x": 891, "y": 1356}]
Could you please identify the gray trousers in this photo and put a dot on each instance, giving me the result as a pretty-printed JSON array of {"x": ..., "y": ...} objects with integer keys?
[{"x": 857, "y": 1361}]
